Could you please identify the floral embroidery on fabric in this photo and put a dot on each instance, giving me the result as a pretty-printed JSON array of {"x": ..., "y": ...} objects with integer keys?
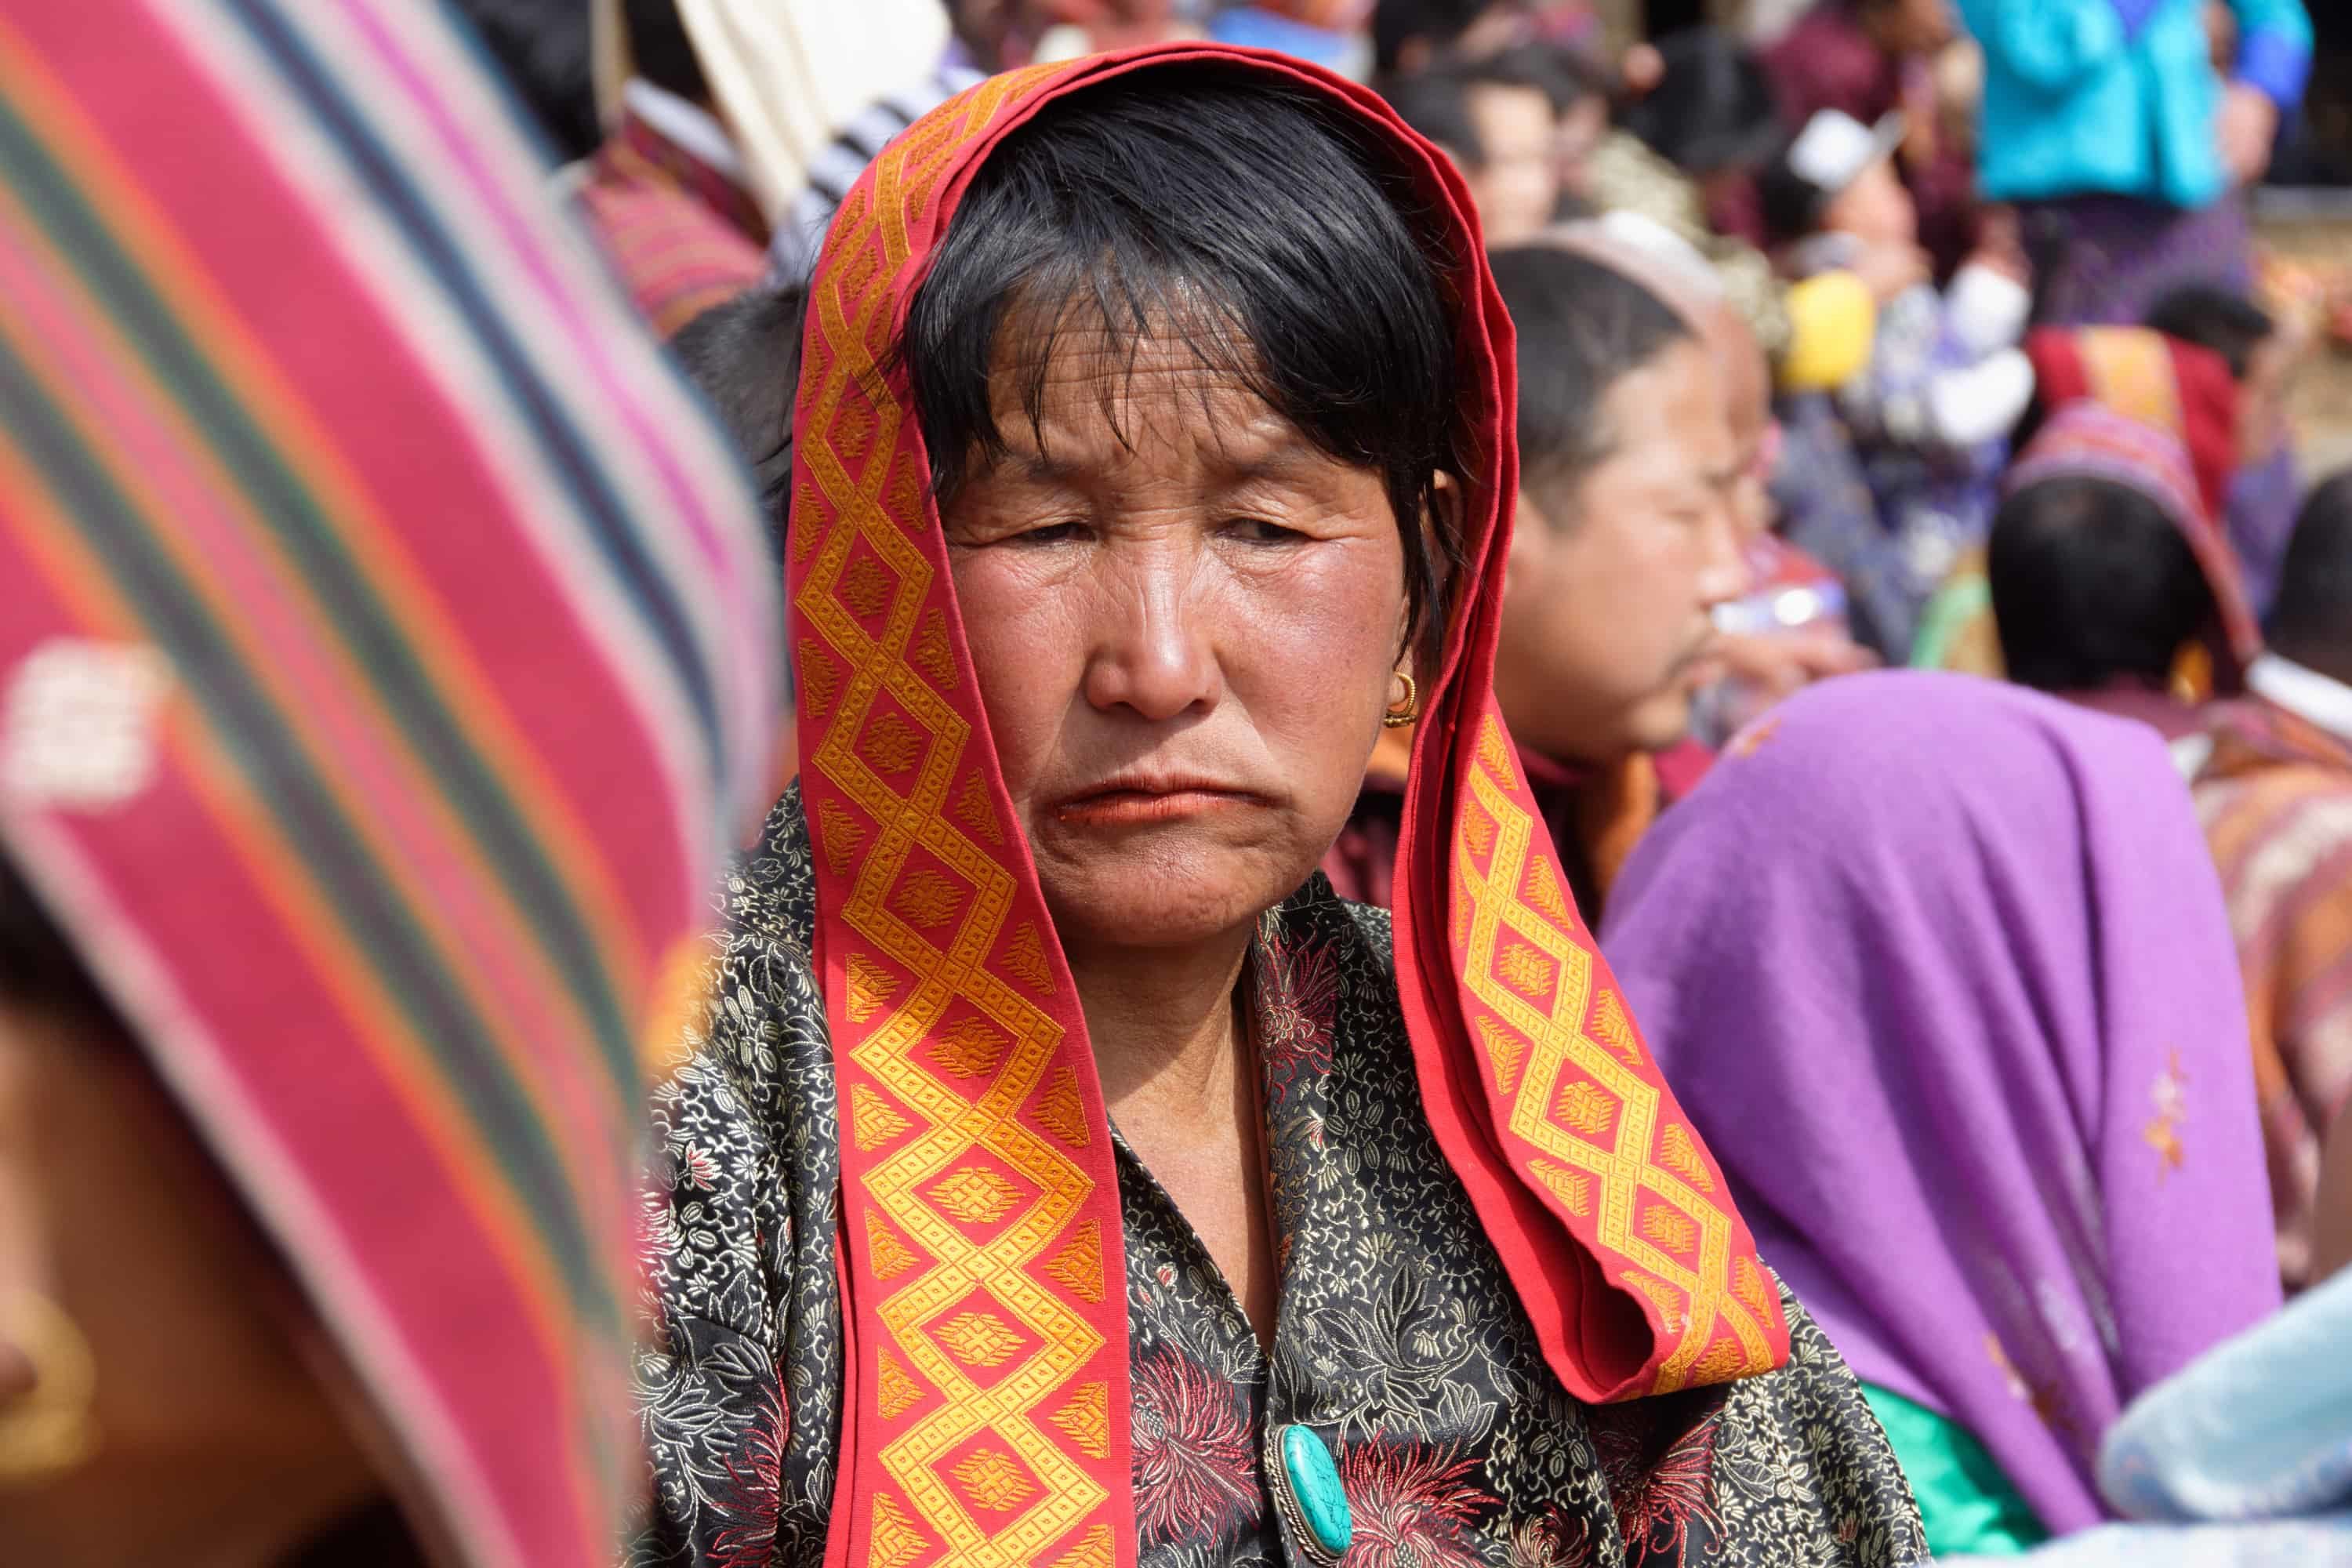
[
  {"x": 1660, "y": 1496},
  {"x": 1193, "y": 1469},
  {"x": 1414, "y": 1505},
  {"x": 1399, "y": 1336}
]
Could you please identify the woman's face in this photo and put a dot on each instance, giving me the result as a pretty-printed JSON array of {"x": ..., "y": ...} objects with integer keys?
[
  {"x": 1517, "y": 188},
  {"x": 1185, "y": 619}
]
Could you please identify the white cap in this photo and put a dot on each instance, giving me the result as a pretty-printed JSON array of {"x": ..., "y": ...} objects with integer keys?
[{"x": 1834, "y": 148}]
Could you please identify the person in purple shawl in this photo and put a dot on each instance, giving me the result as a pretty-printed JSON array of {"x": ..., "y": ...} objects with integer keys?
[{"x": 1941, "y": 969}]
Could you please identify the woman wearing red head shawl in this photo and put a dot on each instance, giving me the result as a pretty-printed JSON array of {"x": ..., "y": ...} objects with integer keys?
[
  {"x": 387, "y": 655},
  {"x": 2113, "y": 580},
  {"x": 1155, "y": 411}
]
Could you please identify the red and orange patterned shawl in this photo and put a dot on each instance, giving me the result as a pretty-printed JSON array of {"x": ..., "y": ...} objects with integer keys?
[{"x": 988, "y": 1352}]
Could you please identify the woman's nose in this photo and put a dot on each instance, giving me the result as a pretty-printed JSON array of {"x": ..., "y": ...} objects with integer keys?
[{"x": 1152, "y": 653}]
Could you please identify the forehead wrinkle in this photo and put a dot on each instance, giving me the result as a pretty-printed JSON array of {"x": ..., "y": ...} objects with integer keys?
[
  {"x": 1067, "y": 380},
  {"x": 1115, "y": 328}
]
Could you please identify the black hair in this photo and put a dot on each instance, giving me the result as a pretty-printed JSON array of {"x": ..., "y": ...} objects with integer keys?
[
  {"x": 1436, "y": 104},
  {"x": 2311, "y": 619},
  {"x": 1436, "y": 101},
  {"x": 1583, "y": 326},
  {"x": 2228, "y": 325},
  {"x": 2091, "y": 581},
  {"x": 1713, "y": 109},
  {"x": 1567, "y": 76},
  {"x": 542, "y": 48},
  {"x": 39, "y": 970},
  {"x": 1396, "y": 23},
  {"x": 745, "y": 357},
  {"x": 1791, "y": 206},
  {"x": 660, "y": 51},
  {"x": 1248, "y": 215}
]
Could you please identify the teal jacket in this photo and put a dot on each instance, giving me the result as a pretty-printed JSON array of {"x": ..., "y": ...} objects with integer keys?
[{"x": 2077, "y": 101}]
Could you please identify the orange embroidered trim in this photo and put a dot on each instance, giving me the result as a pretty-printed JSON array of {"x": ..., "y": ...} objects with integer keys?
[
  {"x": 980, "y": 1263},
  {"x": 1591, "y": 1125}
]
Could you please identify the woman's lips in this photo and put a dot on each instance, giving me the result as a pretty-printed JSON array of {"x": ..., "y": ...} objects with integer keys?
[{"x": 1135, "y": 807}]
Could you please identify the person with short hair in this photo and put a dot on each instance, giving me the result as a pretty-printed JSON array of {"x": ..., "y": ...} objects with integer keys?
[
  {"x": 1409, "y": 36},
  {"x": 2132, "y": 428},
  {"x": 1871, "y": 58},
  {"x": 1629, "y": 537},
  {"x": 1498, "y": 118},
  {"x": 2277, "y": 797},
  {"x": 2097, "y": 591},
  {"x": 1058, "y": 1166}
]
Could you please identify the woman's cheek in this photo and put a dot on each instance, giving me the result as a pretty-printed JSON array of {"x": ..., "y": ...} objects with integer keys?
[
  {"x": 1025, "y": 655},
  {"x": 1320, "y": 634}
]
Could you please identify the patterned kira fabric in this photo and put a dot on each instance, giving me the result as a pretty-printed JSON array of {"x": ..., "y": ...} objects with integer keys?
[
  {"x": 387, "y": 653},
  {"x": 982, "y": 1197},
  {"x": 2276, "y": 798},
  {"x": 682, "y": 235},
  {"x": 1401, "y": 1338}
]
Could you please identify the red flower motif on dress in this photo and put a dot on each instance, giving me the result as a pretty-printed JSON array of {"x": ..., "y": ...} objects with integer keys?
[
  {"x": 1298, "y": 1001},
  {"x": 1658, "y": 1500},
  {"x": 1413, "y": 1506},
  {"x": 1546, "y": 1543},
  {"x": 755, "y": 1487},
  {"x": 1193, "y": 1475}
]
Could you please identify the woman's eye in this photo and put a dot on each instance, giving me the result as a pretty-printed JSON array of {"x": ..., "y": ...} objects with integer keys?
[
  {"x": 1258, "y": 531},
  {"x": 1051, "y": 534}
]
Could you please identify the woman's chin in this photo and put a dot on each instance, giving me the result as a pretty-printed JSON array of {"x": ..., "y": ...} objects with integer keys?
[{"x": 1181, "y": 899}]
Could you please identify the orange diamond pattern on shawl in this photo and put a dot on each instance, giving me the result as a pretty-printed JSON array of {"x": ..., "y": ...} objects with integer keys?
[
  {"x": 1087, "y": 1419},
  {"x": 1588, "y": 1125}
]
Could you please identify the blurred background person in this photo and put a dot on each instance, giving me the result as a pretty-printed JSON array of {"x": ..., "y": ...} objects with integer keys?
[
  {"x": 388, "y": 654},
  {"x": 2263, "y": 353},
  {"x": 1868, "y": 60},
  {"x": 1946, "y": 973},
  {"x": 2277, "y": 799},
  {"x": 1929, "y": 415},
  {"x": 1409, "y": 36},
  {"x": 2125, "y": 150},
  {"x": 736, "y": 127},
  {"x": 2112, "y": 580},
  {"x": 1685, "y": 152},
  {"x": 1628, "y": 537},
  {"x": 1499, "y": 119}
]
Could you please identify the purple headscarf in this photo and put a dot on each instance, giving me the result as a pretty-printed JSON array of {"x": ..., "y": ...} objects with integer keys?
[{"x": 1942, "y": 971}]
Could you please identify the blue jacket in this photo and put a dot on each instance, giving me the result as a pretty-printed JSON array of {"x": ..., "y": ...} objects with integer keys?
[{"x": 2076, "y": 100}]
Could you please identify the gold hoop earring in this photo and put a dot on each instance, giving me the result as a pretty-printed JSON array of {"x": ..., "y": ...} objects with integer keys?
[
  {"x": 48, "y": 1430},
  {"x": 1401, "y": 714}
]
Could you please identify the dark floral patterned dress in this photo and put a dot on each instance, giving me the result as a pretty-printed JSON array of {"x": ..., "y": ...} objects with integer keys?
[{"x": 1398, "y": 1339}]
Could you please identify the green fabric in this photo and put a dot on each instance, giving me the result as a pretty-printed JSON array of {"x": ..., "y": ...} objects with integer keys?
[
  {"x": 1966, "y": 1504},
  {"x": 1959, "y": 600}
]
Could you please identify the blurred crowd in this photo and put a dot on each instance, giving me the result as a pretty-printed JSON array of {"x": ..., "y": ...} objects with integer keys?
[{"x": 1927, "y": 670}]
